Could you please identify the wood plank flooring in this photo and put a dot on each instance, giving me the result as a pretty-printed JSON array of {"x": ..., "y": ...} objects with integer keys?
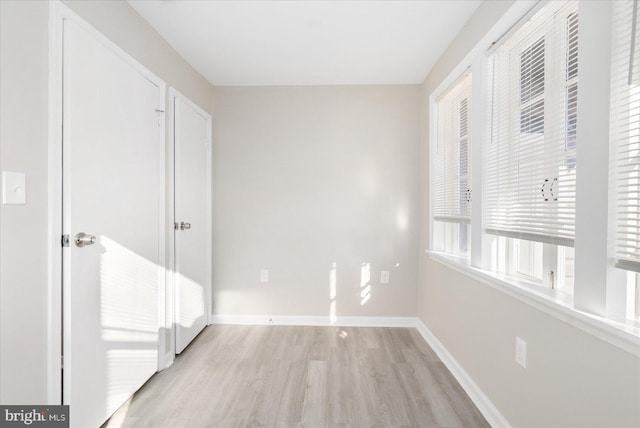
[{"x": 289, "y": 376}]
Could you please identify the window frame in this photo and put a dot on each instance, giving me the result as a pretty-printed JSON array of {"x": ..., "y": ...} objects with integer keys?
[
  {"x": 624, "y": 275},
  {"x": 548, "y": 263},
  {"x": 589, "y": 307},
  {"x": 526, "y": 139},
  {"x": 449, "y": 240}
]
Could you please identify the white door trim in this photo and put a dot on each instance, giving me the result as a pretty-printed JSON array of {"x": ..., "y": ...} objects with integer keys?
[
  {"x": 58, "y": 13},
  {"x": 54, "y": 205},
  {"x": 171, "y": 289}
]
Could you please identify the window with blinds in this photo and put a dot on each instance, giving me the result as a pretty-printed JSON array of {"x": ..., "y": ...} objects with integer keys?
[
  {"x": 625, "y": 132},
  {"x": 530, "y": 155},
  {"x": 452, "y": 160}
]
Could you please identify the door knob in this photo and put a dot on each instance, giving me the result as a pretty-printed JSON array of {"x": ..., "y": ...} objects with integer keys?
[
  {"x": 185, "y": 226},
  {"x": 82, "y": 239}
]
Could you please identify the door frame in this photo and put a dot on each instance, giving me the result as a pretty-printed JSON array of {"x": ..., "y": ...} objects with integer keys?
[
  {"x": 171, "y": 282},
  {"x": 56, "y": 328}
]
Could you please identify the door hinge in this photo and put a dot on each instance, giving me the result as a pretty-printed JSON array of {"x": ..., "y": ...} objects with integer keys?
[
  {"x": 160, "y": 116},
  {"x": 65, "y": 240},
  {"x": 62, "y": 361}
]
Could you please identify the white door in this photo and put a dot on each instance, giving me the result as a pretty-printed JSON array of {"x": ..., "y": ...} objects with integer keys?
[
  {"x": 192, "y": 139},
  {"x": 112, "y": 178}
]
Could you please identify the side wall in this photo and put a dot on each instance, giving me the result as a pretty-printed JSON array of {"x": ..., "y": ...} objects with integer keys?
[
  {"x": 24, "y": 53},
  {"x": 311, "y": 182},
  {"x": 572, "y": 378},
  {"x": 24, "y": 42}
]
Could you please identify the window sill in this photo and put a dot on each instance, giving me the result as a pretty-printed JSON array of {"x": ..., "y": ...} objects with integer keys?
[{"x": 624, "y": 335}]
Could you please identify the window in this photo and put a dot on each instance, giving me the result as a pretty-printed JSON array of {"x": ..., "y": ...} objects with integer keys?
[
  {"x": 452, "y": 167},
  {"x": 528, "y": 193},
  {"x": 530, "y": 151},
  {"x": 625, "y": 147}
]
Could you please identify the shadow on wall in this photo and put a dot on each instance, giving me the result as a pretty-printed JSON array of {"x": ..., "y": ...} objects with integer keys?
[
  {"x": 365, "y": 288},
  {"x": 333, "y": 287},
  {"x": 365, "y": 283}
]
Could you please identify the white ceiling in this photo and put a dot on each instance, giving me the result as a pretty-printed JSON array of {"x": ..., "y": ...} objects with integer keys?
[{"x": 248, "y": 43}]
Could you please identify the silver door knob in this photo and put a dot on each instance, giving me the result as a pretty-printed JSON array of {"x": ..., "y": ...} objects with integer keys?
[
  {"x": 82, "y": 239},
  {"x": 185, "y": 226}
]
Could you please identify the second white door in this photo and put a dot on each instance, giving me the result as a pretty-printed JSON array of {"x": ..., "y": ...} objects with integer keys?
[{"x": 192, "y": 214}]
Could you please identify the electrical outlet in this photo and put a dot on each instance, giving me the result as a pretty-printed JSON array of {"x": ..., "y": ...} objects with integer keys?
[
  {"x": 384, "y": 277},
  {"x": 264, "y": 275},
  {"x": 521, "y": 352}
]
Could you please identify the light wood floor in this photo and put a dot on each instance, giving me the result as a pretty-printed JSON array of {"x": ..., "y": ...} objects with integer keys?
[{"x": 281, "y": 376}]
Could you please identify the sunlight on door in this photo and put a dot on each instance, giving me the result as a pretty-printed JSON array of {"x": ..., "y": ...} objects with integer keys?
[
  {"x": 122, "y": 366},
  {"x": 121, "y": 272},
  {"x": 191, "y": 309}
]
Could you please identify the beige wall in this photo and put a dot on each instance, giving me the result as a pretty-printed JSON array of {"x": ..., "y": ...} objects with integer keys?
[
  {"x": 305, "y": 177},
  {"x": 572, "y": 378},
  {"x": 23, "y": 228},
  {"x": 23, "y": 148}
]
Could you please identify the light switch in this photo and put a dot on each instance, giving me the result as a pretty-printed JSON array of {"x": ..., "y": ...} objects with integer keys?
[
  {"x": 264, "y": 275},
  {"x": 384, "y": 277},
  {"x": 14, "y": 188}
]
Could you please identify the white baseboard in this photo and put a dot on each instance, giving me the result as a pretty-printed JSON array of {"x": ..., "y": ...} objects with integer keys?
[
  {"x": 482, "y": 402},
  {"x": 376, "y": 321},
  {"x": 315, "y": 320}
]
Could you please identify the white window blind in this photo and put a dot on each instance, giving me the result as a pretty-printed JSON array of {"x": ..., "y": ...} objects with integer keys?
[
  {"x": 452, "y": 161},
  {"x": 530, "y": 157},
  {"x": 625, "y": 132}
]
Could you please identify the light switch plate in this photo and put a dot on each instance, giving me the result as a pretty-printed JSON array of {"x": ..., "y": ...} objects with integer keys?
[
  {"x": 384, "y": 277},
  {"x": 264, "y": 275},
  {"x": 14, "y": 188}
]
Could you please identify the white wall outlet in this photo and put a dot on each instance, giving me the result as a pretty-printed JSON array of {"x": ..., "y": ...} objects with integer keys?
[
  {"x": 384, "y": 277},
  {"x": 264, "y": 275},
  {"x": 521, "y": 352},
  {"x": 14, "y": 189}
]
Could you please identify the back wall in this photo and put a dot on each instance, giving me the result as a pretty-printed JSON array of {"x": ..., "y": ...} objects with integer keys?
[{"x": 319, "y": 185}]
